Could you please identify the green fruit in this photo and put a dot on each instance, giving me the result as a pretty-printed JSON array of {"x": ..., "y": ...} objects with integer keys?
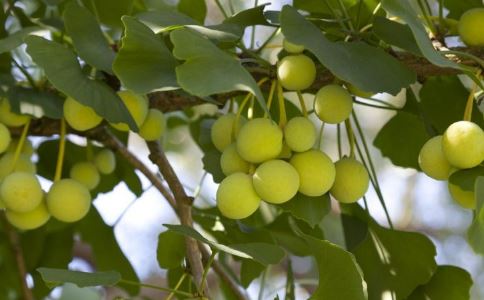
[
  {"x": 471, "y": 27},
  {"x": 79, "y": 116},
  {"x": 316, "y": 172},
  {"x": 105, "y": 161},
  {"x": 432, "y": 160},
  {"x": 154, "y": 125},
  {"x": 222, "y": 131},
  {"x": 21, "y": 192},
  {"x": 351, "y": 182},
  {"x": 300, "y": 134},
  {"x": 357, "y": 92},
  {"x": 4, "y": 138},
  {"x": 29, "y": 220},
  {"x": 137, "y": 106},
  {"x": 236, "y": 196},
  {"x": 86, "y": 173},
  {"x": 10, "y": 118},
  {"x": 27, "y": 148},
  {"x": 24, "y": 164},
  {"x": 463, "y": 144},
  {"x": 231, "y": 162},
  {"x": 296, "y": 72},
  {"x": 464, "y": 198},
  {"x": 333, "y": 104},
  {"x": 68, "y": 200},
  {"x": 259, "y": 140},
  {"x": 276, "y": 181},
  {"x": 292, "y": 48}
]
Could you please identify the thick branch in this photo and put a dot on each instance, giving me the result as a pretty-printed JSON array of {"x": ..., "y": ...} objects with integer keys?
[{"x": 184, "y": 205}]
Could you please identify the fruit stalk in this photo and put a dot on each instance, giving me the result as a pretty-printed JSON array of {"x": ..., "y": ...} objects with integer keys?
[
  {"x": 21, "y": 143},
  {"x": 302, "y": 104},
  {"x": 60, "y": 155},
  {"x": 282, "y": 106},
  {"x": 470, "y": 103}
]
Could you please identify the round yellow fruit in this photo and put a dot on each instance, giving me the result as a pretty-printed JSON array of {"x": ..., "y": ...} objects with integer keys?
[
  {"x": 300, "y": 134},
  {"x": 236, "y": 196},
  {"x": 137, "y": 106},
  {"x": 4, "y": 138},
  {"x": 276, "y": 181},
  {"x": 79, "y": 116},
  {"x": 29, "y": 220},
  {"x": 357, "y": 92},
  {"x": 471, "y": 27},
  {"x": 154, "y": 125},
  {"x": 432, "y": 160},
  {"x": 463, "y": 144},
  {"x": 27, "y": 148},
  {"x": 316, "y": 172},
  {"x": 222, "y": 131},
  {"x": 10, "y": 118},
  {"x": 259, "y": 140},
  {"x": 21, "y": 192},
  {"x": 464, "y": 198},
  {"x": 86, "y": 173},
  {"x": 351, "y": 182},
  {"x": 105, "y": 161},
  {"x": 24, "y": 164},
  {"x": 68, "y": 200},
  {"x": 333, "y": 104},
  {"x": 296, "y": 72},
  {"x": 231, "y": 162},
  {"x": 292, "y": 48}
]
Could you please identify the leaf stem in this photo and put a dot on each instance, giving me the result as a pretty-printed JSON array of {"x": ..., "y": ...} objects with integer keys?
[
  {"x": 351, "y": 137},
  {"x": 346, "y": 15},
  {"x": 21, "y": 143},
  {"x": 27, "y": 75},
  {"x": 302, "y": 104},
  {"x": 150, "y": 286},
  {"x": 470, "y": 104},
  {"x": 282, "y": 106},
  {"x": 426, "y": 17},
  {"x": 271, "y": 96},
  {"x": 338, "y": 138},
  {"x": 321, "y": 131},
  {"x": 375, "y": 106},
  {"x": 60, "y": 155},
  {"x": 235, "y": 131},
  {"x": 177, "y": 286},
  {"x": 206, "y": 269}
]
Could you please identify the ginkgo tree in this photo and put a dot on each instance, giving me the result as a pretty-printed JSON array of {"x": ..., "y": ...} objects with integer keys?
[{"x": 78, "y": 78}]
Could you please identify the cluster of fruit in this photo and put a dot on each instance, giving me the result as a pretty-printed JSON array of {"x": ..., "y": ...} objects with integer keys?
[
  {"x": 460, "y": 147},
  {"x": 273, "y": 162}
]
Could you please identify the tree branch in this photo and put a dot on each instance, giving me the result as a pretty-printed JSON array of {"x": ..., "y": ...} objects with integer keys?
[{"x": 184, "y": 203}]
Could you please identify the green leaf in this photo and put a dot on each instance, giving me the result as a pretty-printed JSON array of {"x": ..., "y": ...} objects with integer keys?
[
  {"x": 196, "y": 9},
  {"x": 55, "y": 277},
  {"x": 475, "y": 233},
  {"x": 106, "y": 251},
  {"x": 171, "y": 249},
  {"x": 36, "y": 103},
  {"x": 208, "y": 70},
  {"x": 64, "y": 72},
  {"x": 110, "y": 12},
  {"x": 466, "y": 179},
  {"x": 250, "y": 270},
  {"x": 262, "y": 252},
  {"x": 339, "y": 275},
  {"x": 395, "y": 34},
  {"x": 394, "y": 262},
  {"x": 87, "y": 37},
  {"x": 308, "y": 209},
  {"x": 248, "y": 17},
  {"x": 16, "y": 39},
  {"x": 316, "y": 6},
  {"x": 458, "y": 7},
  {"x": 404, "y": 11},
  {"x": 351, "y": 62},
  {"x": 144, "y": 63},
  {"x": 448, "y": 282},
  {"x": 165, "y": 18}
]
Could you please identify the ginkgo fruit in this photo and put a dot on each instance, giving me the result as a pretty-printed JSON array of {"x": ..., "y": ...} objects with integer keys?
[
  {"x": 291, "y": 47},
  {"x": 32, "y": 219},
  {"x": 5, "y": 138},
  {"x": 316, "y": 172},
  {"x": 351, "y": 182},
  {"x": 86, "y": 173},
  {"x": 68, "y": 200},
  {"x": 259, "y": 140},
  {"x": 222, "y": 131},
  {"x": 333, "y": 104},
  {"x": 105, "y": 161},
  {"x": 236, "y": 196},
  {"x": 79, "y": 116},
  {"x": 464, "y": 198},
  {"x": 463, "y": 144},
  {"x": 23, "y": 164},
  {"x": 154, "y": 125},
  {"x": 27, "y": 147},
  {"x": 296, "y": 72},
  {"x": 300, "y": 134},
  {"x": 276, "y": 181},
  {"x": 231, "y": 162},
  {"x": 21, "y": 192},
  {"x": 432, "y": 160},
  {"x": 471, "y": 27},
  {"x": 10, "y": 118},
  {"x": 137, "y": 106}
]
